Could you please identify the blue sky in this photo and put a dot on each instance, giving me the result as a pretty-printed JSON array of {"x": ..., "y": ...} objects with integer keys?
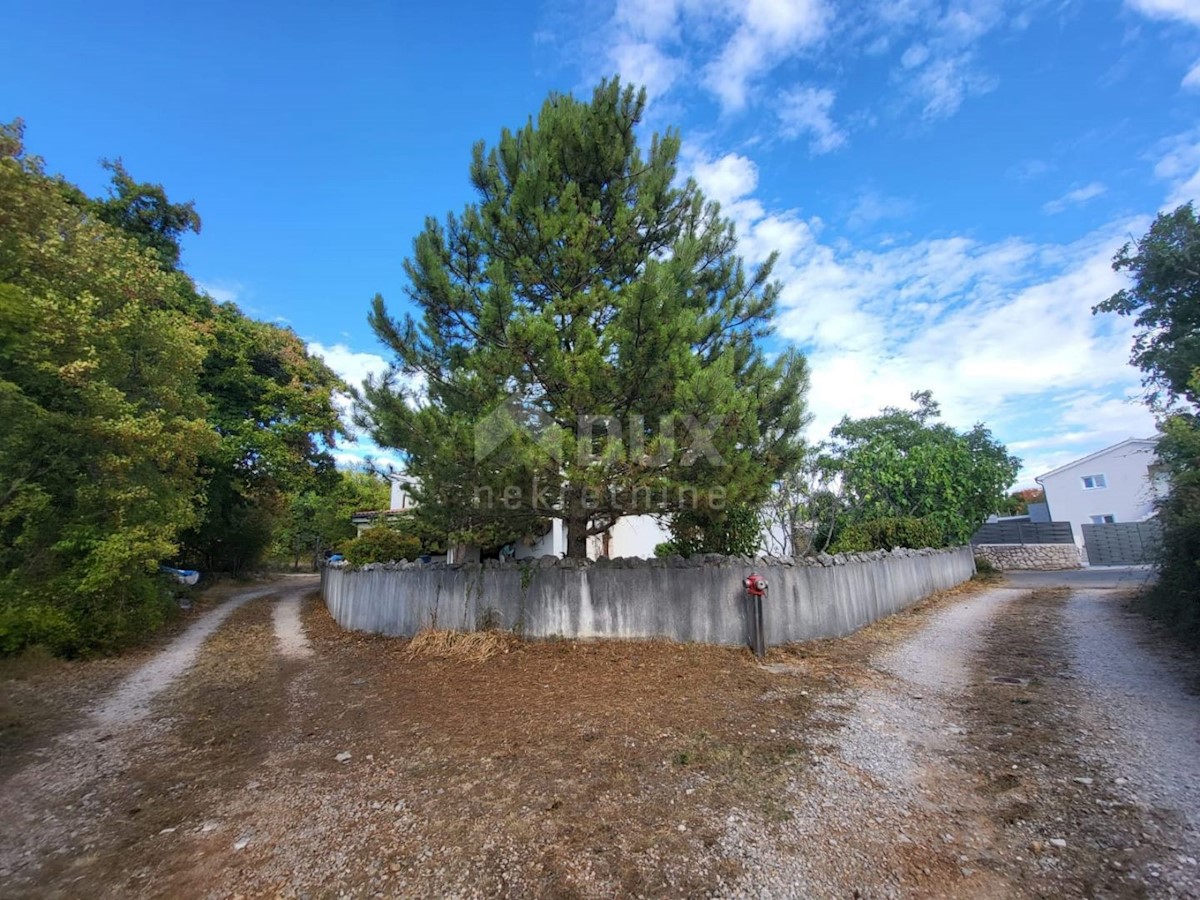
[{"x": 946, "y": 182}]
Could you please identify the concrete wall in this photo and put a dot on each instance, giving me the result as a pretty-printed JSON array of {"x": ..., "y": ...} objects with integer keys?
[
  {"x": 684, "y": 600},
  {"x": 1042, "y": 557}
]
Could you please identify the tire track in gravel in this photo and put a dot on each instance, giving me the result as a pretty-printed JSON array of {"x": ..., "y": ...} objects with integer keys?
[
  {"x": 888, "y": 809},
  {"x": 109, "y": 795}
]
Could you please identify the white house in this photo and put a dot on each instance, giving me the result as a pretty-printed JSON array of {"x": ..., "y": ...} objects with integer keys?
[
  {"x": 1117, "y": 484},
  {"x": 401, "y": 494},
  {"x": 630, "y": 536}
]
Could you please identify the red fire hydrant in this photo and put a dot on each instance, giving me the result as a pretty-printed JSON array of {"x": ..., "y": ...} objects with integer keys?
[
  {"x": 756, "y": 585},
  {"x": 756, "y": 589}
]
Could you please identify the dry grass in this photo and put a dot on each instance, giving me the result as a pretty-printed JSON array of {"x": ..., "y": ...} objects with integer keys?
[{"x": 471, "y": 646}]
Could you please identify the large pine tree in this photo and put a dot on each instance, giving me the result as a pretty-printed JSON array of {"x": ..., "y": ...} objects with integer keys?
[{"x": 589, "y": 342}]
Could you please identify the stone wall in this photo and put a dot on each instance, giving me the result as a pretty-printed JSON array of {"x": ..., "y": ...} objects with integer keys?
[
  {"x": 699, "y": 599},
  {"x": 1043, "y": 557}
]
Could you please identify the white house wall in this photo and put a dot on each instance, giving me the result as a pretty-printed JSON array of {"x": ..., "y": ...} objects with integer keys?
[
  {"x": 552, "y": 543},
  {"x": 636, "y": 536},
  {"x": 1129, "y": 494}
]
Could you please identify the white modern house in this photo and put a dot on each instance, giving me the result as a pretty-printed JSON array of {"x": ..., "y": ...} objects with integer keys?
[
  {"x": 630, "y": 536},
  {"x": 1120, "y": 483}
]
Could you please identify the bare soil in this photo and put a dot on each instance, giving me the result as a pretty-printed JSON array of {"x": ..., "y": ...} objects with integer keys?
[{"x": 933, "y": 754}]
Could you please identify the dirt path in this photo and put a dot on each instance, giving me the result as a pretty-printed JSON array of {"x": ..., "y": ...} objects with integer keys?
[
  {"x": 131, "y": 701},
  {"x": 993, "y": 742},
  {"x": 79, "y": 802},
  {"x": 1140, "y": 697}
]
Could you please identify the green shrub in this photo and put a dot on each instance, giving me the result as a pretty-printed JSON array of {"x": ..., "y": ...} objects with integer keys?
[
  {"x": 733, "y": 531},
  {"x": 983, "y": 566},
  {"x": 1175, "y": 596},
  {"x": 888, "y": 534},
  {"x": 665, "y": 549},
  {"x": 22, "y": 627},
  {"x": 381, "y": 544}
]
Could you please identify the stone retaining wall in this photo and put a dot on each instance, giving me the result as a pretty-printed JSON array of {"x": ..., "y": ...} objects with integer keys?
[
  {"x": 1043, "y": 557},
  {"x": 699, "y": 599}
]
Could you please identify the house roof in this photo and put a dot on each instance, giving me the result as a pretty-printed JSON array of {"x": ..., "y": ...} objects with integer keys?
[{"x": 1153, "y": 442}]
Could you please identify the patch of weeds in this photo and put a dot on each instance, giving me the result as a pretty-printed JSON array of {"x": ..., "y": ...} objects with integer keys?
[
  {"x": 489, "y": 619},
  {"x": 985, "y": 572}
]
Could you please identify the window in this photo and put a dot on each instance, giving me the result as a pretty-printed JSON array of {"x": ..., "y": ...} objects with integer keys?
[
  {"x": 1093, "y": 482},
  {"x": 1106, "y": 519}
]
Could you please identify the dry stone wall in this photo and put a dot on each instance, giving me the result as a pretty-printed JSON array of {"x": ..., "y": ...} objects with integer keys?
[
  {"x": 698, "y": 599},
  {"x": 1042, "y": 557}
]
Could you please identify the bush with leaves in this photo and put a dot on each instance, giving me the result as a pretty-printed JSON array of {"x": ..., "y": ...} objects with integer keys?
[
  {"x": 381, "y": 544},
  {"x": 1163, "y": 299},
  {"x": 888, "y": 534},
  {"x": 733, "y": 531},
  {"x": 1176, "y": 595}
]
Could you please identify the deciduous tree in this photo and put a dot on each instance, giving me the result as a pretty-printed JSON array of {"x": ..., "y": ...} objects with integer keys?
[
  {"x": 1164, "y": 300},
  {"x": 906, "y": 463},
  {"x": 103, "y": 419}
]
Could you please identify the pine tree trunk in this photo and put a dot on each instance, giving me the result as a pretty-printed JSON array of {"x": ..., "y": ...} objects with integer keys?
[{"x": 577, "y": 538}]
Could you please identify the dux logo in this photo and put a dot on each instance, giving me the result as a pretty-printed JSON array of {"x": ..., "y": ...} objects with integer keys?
[
  {"x": 597, "y": 435},
  {"x": 513, "y": 417}
]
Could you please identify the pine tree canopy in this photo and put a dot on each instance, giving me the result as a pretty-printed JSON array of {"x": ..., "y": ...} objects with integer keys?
[{"x": 588, "y": 342}]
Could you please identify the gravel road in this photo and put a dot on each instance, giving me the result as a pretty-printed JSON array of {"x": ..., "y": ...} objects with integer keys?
[
  {"x": 1141, "y": 695},
  {"x": 1033, "y": 739}
]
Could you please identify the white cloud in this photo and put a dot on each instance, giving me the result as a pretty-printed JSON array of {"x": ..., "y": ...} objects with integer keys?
[
  {"x": 1074, "y": 198},
  {"x": 1168, "y": 10},
  {"x": 939, "y": 69},
  {"x": 643, "y": 63},
  {"x": 914, "y": 56},
  {"x": 221, "y": 291},
  {"x": 649, "y": 20},
  {"x": 870, "y": 207},
  {"x": 766, "y": 32},
  {"x": 1179, "y": 166},
  {"x": 726, "y": 179},
  {"x": 805, "y": 111},
  {"x": 945, "y": 82},
  {"x": 1191, "y": 81},
  {"x": 1001, "y": 331},
  {"x": 733, "y": 43},
  {"x": 354, "y": 367},
  {"x": 1029, "y": 169}
]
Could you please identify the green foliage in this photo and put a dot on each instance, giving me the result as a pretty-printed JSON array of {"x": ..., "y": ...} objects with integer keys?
[
  {"x": 1176, "y": 595},
  {"x": 733, "y": 531},
  {"x": 381, "y": 544},
  {"x": 25, "y": 626},
  {"x": 906, "y": 463},
  {"x": 316, "y": 521},
  {"x": 984, "y": 566},
  {"x": 143, "y": 422},
  {"x": 584, "y": 281},
  {"x": 888, "y": 534},
  {"x": 270, "y": 404},
  {"x": 1017, "y": 503},
  {"x": 143, "y": 211},
  {"x": 1164, "y": 299},
  {"x": 103, "y": 418},
  {"x": 666, "y": 548}
]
